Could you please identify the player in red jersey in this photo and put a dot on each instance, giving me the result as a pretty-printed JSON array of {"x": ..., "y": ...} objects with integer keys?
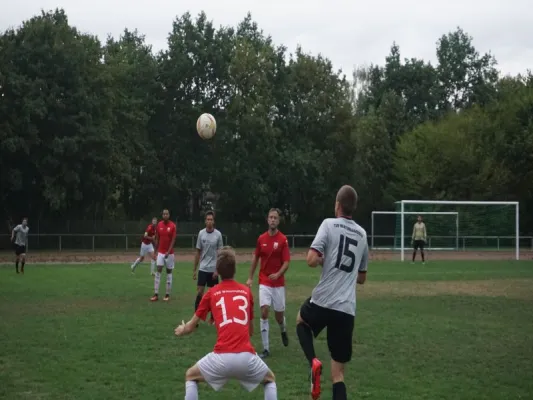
[
  {"x": 273, "y": 250},
  {"x": 166, "y": 237},
  {"x": 233, "y": 357},
  {"x": 147, "y": 247}
]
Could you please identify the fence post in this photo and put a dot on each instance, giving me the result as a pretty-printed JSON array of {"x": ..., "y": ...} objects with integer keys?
[
  {"x": 498, "y": 243},
  {"x": 93, "y": 243},
  {"x": 192, "y": 241},
  {"x": 292, "y": 241},
  {"x": 60, "y": 245},
  {"x": 126, "y": 242},
  {"x": 464, "y": 245}
]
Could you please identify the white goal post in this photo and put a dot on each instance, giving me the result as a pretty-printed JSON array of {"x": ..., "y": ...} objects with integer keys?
[
  {"x": 404, "y": 209},
  {"x": 452, "y": 214}
]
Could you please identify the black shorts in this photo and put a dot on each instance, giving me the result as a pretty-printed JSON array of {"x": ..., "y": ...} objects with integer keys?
[
  {"x": 418, "y": 244},
  {"x": 206, "y": 279},
  {"x": 339, "y": 328},
  {"x": 19, "y": 249}
]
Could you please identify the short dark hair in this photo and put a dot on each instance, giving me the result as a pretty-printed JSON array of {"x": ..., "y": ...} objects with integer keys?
[
  {"x": 274, "y": 209},
  {"x": 347, "y": 198},
  {"x": 208, "y": 213},
  {"x": 226, "y": 262}
]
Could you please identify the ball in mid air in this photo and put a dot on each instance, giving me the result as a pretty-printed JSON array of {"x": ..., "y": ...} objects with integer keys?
[{"x": 206, "y": 126}]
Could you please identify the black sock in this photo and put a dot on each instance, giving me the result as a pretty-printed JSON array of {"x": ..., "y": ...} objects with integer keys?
[
  {"x": 339, "y": 391},
  {"x": 305, "y": 336},
  {"x": 423, "y": 258},
  {"x": 197, "y": 301},
  {"x": 17, "y": 265}
]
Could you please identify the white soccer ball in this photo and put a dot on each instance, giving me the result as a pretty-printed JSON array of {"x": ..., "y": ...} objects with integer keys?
[{"x": 206, "y": 125}]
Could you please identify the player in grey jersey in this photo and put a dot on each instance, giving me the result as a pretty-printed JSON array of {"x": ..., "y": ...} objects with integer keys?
[
  {"x": 341, "y": 247},
  {"x": 208, "y": 242},
  {"x": 19, "y": 237}
]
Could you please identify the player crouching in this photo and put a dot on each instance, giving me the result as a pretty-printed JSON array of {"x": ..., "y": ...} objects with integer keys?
[{"x": 233, "y": 356}]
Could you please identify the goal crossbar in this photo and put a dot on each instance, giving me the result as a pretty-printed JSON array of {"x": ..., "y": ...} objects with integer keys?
[
  {"x": 416, "y": 213},
  {"x": 464, "y": 203}
]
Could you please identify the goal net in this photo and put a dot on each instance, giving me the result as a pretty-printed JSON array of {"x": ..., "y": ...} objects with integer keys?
[
  {"x": 444, "y": 234},
  {"x": 482, "y": 226}
]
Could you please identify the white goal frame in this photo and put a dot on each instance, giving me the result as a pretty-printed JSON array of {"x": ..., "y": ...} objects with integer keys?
[
  {"x": 462, "y": 203},
  {"x": 456, "y": 213}
]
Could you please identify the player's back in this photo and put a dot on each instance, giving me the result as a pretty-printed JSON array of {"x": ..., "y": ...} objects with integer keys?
[
  {"x": 343, "y": 244},
  {"x": 232, "y": 305}
]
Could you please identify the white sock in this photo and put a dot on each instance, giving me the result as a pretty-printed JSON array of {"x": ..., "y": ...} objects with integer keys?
[
  {"x": 152, "y": 266},
  {"x": 169, "y": 283},
  {"x": 156, "y": 282},
  {"x": 283, "y": 326},
  {"x": 271, "y": 391},
  {"x": 191, "y": 391},
  {"x": 137, "y": 261},
  {"x": 264, "y": 334}
]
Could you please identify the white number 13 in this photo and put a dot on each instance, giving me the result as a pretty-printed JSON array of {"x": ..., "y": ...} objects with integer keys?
[{"x": 243, "y": 307}]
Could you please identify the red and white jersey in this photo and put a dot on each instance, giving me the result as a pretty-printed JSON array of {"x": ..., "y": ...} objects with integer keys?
[
  {"x": 232, "y": 307},
  {"x": 273, "y": 251},
  {"x": 149, "y": 233},
  {"x": 166, "y": 231}
]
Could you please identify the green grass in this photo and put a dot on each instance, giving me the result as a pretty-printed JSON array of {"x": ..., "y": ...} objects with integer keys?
[{"x": 450, "y": 330}]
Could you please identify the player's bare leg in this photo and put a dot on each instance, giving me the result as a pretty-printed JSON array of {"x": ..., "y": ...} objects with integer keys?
[
  {"x": 157, "y": 280},
  {"x": 192, "y": 377},
  {"x": 271, "y": 390},
  {"x": 305, "y": 336},
  {"x": 280, "y": 319},
  {"x": 337, "y": 377},
  {"x": 22, "y": 262},
  {"x": 265, "y": 331},
  {"x": 169, "y": 285},
  {"x": 139, "y": 260},
  {"x": 152, "y": 263}
]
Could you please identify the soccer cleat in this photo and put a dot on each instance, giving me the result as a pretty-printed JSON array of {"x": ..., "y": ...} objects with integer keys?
[
  {"x": 155, "y": 297},
  {"x": 316, "y": 373},
  {"x": 265, "y": 354},
  {"x": 284, "y": 339},
  {"x": 167, "y": 297},
  {"x": 132, "y": 269}
]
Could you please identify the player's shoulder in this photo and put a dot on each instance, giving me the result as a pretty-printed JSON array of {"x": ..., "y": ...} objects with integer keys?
[
  {"x": 263, "y": 236},
  {"x": 202, "y": 232},
  {"x": 217, "y": 232}
]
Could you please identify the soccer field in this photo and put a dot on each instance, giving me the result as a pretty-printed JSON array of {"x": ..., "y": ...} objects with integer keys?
[{"x": 446, "y": 330}]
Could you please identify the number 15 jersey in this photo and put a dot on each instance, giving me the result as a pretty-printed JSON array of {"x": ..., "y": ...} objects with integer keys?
[
  {"x": 232, "y": 307},
  {"x": 344, "y": 247}
]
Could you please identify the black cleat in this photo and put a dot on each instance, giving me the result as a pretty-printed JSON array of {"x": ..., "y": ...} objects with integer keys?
[
  {"x": 265, "y": 354},
  {"x": 284, "y": 339}
]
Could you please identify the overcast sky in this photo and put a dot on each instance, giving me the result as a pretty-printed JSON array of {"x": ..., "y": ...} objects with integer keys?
[{"x": 347, "y": 32}]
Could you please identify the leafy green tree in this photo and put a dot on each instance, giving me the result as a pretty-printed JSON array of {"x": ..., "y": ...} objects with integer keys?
[
  {"x": 57, "y": 149},
  {"x": 136, "y": 94}
]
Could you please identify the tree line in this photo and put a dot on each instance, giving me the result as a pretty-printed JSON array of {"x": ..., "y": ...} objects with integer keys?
[{"x": 92, "y": 130}]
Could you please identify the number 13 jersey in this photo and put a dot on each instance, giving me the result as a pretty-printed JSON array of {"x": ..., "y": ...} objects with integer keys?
[
  {"x": 343, "y": 245},
  {"x": 232, "y": 307}
]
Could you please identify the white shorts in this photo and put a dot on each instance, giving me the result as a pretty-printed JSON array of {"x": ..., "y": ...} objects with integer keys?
[
  {"x": 272, "y": 296},
  {"x": 146, "y": 249},
  {"x": 247, "y": 368},
  {"x": 168, "y": 263}
]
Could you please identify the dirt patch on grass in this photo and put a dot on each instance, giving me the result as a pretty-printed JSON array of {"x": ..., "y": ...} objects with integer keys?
[
  {"x": 243, "y": 255},
  {"x": 509, "y": 288}
]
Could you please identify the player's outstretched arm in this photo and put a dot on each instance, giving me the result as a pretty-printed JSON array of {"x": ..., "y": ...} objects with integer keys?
[{"x": 187, "y": 328}]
